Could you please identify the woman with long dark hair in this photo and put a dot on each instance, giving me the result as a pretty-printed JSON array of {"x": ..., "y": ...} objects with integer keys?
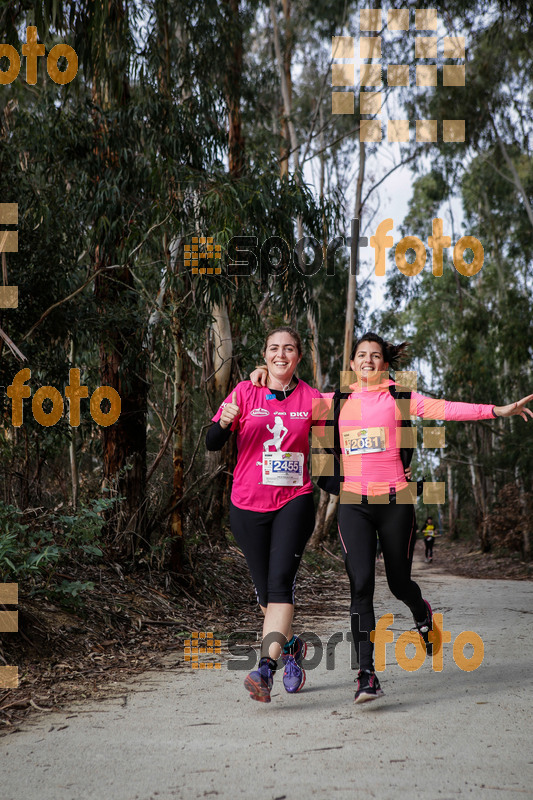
[{"x": 375, "y": 496}]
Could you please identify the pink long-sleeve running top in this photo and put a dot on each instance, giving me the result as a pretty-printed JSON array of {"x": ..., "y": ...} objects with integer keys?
[{"x": 370, "y": 438}]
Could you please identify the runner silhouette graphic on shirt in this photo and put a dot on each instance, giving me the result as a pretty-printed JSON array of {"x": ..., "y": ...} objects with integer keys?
[{"x": 278, "y": 431}]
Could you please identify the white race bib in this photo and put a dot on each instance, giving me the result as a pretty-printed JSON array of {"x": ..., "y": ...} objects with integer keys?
[
  {"x": 283, "y": 469},
  {"x": 363, "y": 440}
]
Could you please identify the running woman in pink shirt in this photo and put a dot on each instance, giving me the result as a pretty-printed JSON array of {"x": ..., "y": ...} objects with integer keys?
[
  {"x": 375, "y": 496},
  {"x": 272, "y": 513}
]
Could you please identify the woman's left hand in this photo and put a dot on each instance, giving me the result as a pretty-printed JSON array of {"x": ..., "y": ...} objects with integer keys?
[
  {"x": 408, "y": 473},
  {"x": 259, "y": 376},
  {"x": 515, "y": 409}
]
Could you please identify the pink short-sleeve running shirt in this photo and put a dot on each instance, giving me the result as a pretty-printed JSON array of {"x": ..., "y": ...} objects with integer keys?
[{"x": 267, "y": 425}]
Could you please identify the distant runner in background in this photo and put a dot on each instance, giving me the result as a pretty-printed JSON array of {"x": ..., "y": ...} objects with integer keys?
[{"x": 429, "y": 538}]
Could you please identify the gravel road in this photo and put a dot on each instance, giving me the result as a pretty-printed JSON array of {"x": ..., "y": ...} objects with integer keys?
[{"x": 187, "y": 733}]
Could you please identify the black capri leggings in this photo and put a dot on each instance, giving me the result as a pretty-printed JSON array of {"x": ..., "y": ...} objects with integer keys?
[
  {"x": 396, "y": 528},
  {"x": 273, "y": 543}
]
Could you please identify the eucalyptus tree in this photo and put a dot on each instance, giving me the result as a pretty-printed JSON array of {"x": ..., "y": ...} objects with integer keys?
[{"x": 466, "y": 328}]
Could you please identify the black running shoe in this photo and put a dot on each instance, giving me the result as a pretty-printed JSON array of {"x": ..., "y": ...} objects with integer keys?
[
  {"x": 425, "y": 627},
  {"x": 368, "y": 687}
]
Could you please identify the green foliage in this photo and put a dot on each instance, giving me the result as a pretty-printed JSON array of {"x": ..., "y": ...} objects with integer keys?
[{"x": 36, "y": 556}]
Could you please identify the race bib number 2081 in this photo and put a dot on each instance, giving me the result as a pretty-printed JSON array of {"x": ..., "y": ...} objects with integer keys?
[{"x": 363, "y": 440}]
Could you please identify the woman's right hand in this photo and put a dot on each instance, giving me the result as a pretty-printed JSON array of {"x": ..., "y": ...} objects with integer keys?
[
  {"x": 515, "y": 409},
  {"x": 259, "y": 376},
  {"x": 230, "y": 412}
]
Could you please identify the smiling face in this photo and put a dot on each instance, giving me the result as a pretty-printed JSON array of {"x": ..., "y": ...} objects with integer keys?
[
  {"x": 368, "y": 361},
  {"x": 282, "y": 358}
]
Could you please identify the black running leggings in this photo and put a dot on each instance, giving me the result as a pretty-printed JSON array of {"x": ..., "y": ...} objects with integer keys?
[
  {"x": 396, "y": 528},
  {"x": 273, "y": 543}
]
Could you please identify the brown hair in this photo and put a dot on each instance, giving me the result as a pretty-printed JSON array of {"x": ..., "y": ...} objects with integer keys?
[
  {"x": 292, "y": 333},
  {"x": 393, "y": 354}
]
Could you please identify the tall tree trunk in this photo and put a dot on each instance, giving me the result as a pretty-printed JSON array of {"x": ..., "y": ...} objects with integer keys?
[
  {"x": 232, "y": 85},
  {"x": 480, "y": 495},
  {"x": 452, "y": 513},
  {"x": 74, "y": 478},
  {"x": 325, "y": 514},
  {"x": 177, "y": 548},
  {"x": 315, "y": 351},
  {"x": 218, "y": 353},
  {"x": 283, "y": 63},
  {"x": 285, "y": 148},
  {"x": 327, "y": 503},
  {"x": 526, "y": 516},
  {"x": 122, "y": 357},
  {"x": 218, "y": 364},
  {"x": 354, "y": 258},
  {"x": 124, "y": 443}
]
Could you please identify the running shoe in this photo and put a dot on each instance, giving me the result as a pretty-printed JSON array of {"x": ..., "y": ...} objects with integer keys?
[
  {"x": 292, "y": 657},
  {"x": 293, "y": 675},
  {"x": 425, "y": 627},
  {"x": 259, "y": 683},
  {"x": 368, "y": 687}
]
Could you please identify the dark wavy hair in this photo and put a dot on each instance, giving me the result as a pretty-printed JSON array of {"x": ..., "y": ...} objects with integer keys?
[
  {"x": 292, "y": 333},
  {"x": 393, "y": 354}
]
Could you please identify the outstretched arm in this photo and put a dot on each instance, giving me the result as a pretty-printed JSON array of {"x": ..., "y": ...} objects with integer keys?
[{"x": 515, "y": 409}]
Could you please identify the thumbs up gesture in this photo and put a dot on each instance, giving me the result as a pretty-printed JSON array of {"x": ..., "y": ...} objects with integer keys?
[{"x": 230, "y": 412}]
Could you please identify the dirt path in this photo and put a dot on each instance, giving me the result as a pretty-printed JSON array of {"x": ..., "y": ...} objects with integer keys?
[{"x": 190, "y": 733}]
